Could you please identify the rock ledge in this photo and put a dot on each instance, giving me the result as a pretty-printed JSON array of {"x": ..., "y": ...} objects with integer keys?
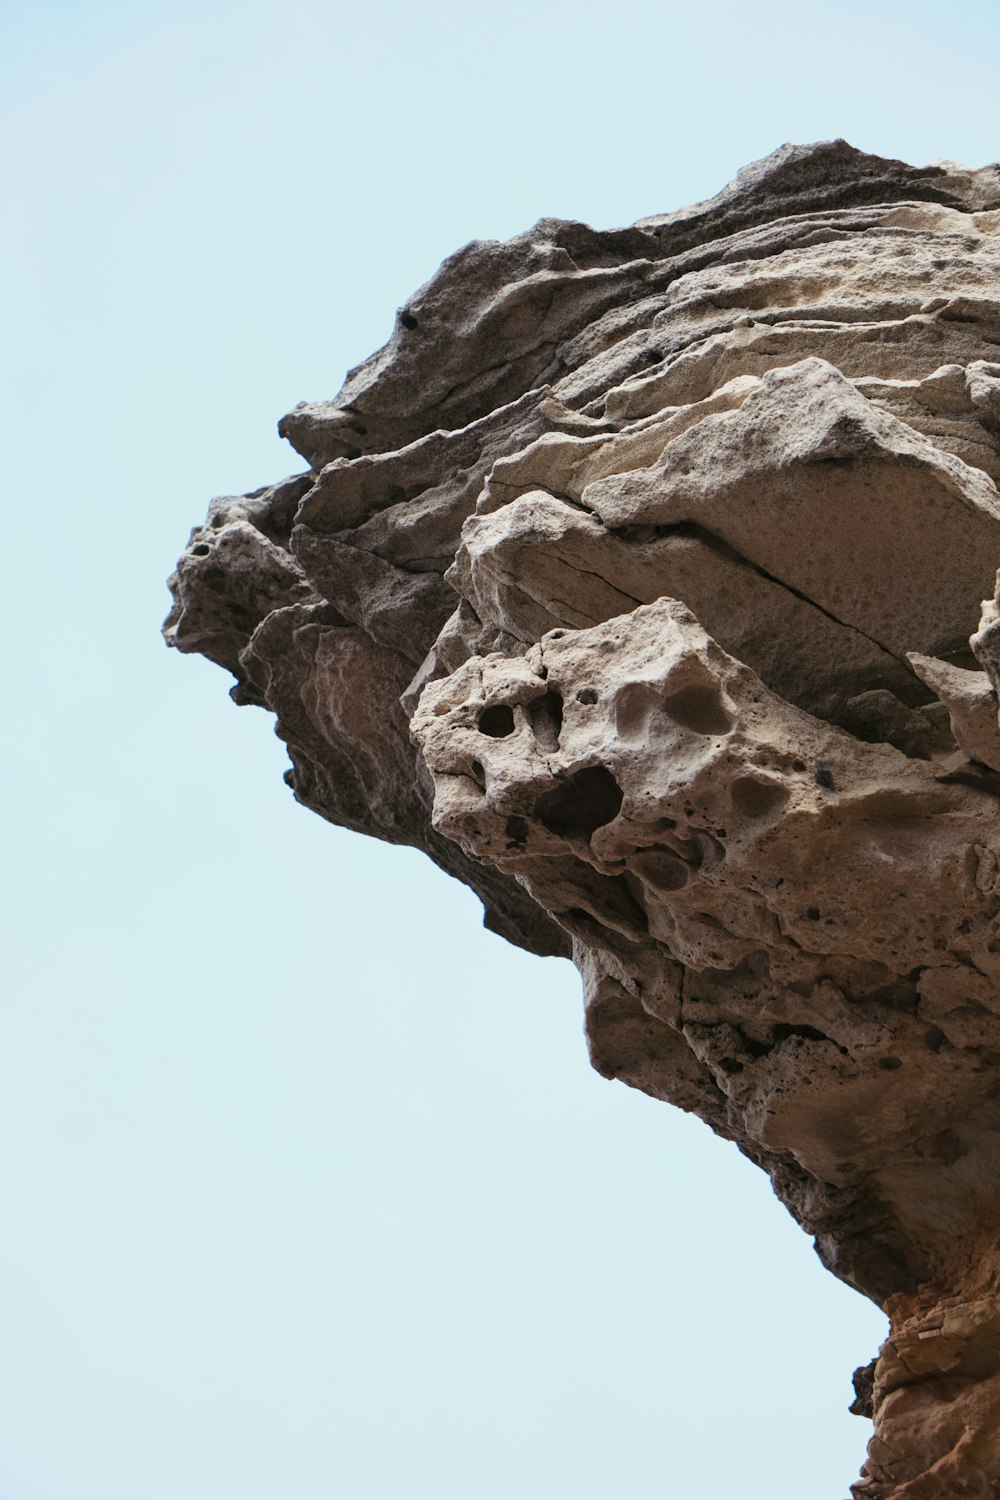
[{"x": 638, "y": 581}]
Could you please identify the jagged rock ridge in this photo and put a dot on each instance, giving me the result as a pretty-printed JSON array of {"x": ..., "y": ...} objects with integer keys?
[{"x": 638, "y": 580}]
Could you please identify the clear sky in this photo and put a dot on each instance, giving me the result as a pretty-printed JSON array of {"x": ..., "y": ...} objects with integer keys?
[{"x": 307, "y": 1189}]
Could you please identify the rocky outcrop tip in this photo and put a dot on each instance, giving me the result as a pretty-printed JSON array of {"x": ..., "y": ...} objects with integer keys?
[{"x": 639, "y": 581}]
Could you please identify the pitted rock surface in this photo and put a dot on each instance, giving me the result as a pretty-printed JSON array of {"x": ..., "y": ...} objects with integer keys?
[{"x": 639, "y": 580}]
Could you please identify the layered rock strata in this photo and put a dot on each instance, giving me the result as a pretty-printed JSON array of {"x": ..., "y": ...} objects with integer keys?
[{"x": 638, "y": 580}]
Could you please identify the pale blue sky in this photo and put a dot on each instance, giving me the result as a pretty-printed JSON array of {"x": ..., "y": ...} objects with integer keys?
[{"x": 307, "y": 1187}]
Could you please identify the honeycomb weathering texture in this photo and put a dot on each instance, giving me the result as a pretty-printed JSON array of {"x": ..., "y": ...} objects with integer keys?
[{"x": 639, "y": 581}]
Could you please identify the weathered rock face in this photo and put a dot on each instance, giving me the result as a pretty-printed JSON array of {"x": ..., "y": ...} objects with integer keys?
[{"x": 634, "y": 580}]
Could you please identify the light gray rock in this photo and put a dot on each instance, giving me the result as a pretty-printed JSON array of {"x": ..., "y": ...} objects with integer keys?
[
  {"x": 638, "y": 580},
  {"x": 971, "y": 701}
]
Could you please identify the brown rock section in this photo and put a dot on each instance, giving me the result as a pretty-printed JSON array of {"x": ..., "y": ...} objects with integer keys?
[{"x": 638, "y": 580}]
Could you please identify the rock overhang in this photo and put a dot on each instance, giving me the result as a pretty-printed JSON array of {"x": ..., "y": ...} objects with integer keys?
[{"x": 634, "y": 580}]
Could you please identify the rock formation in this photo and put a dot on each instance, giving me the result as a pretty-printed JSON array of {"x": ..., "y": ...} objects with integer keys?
[{"x": 638, "y": 580}]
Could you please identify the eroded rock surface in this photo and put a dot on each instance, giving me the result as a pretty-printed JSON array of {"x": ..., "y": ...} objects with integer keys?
[{"x": 639, "y": 581}]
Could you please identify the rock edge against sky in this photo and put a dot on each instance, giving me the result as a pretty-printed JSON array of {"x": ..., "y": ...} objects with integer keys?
[{"x": 639, "y": 581}]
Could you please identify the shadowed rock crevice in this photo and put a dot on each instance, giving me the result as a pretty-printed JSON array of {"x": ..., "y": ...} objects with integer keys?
[
  {"x": 639, "y": 581},
  {"x": 580, "y": 805}
]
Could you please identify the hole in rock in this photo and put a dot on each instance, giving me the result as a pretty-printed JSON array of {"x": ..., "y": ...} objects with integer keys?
[
  {"x": 635, "y": 706},
  {"x": 201, "y": 550},
  {"x": 581, "y": 804},
  {"x": 711, "y": 924},
  {"x": 709, "y": 847},
  {"x": 516, "y": 830},
  {"x": 785, "y": 1029},
  {"x": 408, "y": 320},
  {"x": 757, "y": 798},
  {"x": 890, "y": 1064},
  {"x": 497, "y": 721},
  {"x": 478, "y": 772},
  {"x": 586, "y": 695},
  {"x": 545, "y": 717},
  {"x": 902, "y": 995},
  {"x": 698, "y": 708},
  {"x": 692, "y": 850}
]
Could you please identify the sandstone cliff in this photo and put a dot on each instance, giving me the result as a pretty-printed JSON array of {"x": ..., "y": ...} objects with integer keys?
[{"x": 638, "y": 580}]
